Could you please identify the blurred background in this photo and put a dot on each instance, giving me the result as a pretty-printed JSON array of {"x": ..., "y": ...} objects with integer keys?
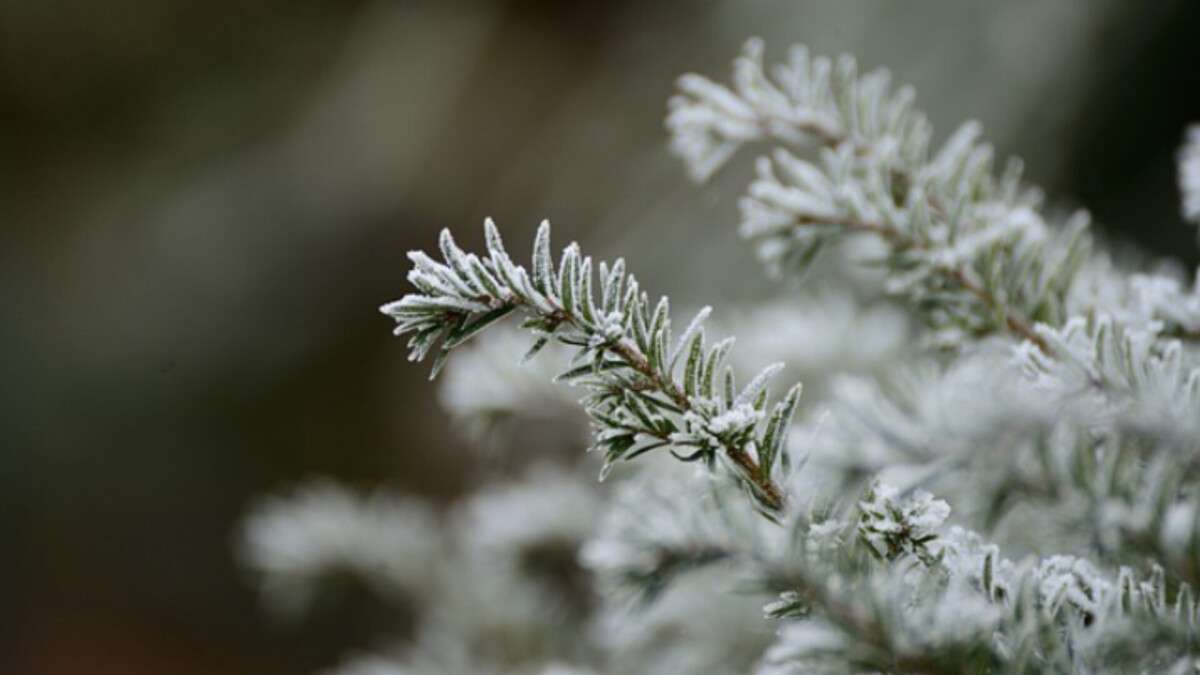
[{"x": 203, "y": 204}]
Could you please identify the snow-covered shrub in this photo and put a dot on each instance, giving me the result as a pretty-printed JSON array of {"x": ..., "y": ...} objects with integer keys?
[{"x": 1001, "y": 476}]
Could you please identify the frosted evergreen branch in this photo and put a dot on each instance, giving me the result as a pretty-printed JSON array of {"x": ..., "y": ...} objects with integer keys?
[
  {"x": 1167, "y": 300},
  {"x": 1054, "y": 616},
  {"x": 1112, "y": 422},
  {"x": 969, "y": 248},
  {"x": 646, "y": 391},
  {"x": 910, "y": 252},
  {"x": 947, "y": 602},
  {"x": 709, "y": 122},
  {"x": 966, "y": 609},
  {"x": 655, "y": 533},
  {"x": 1130, "y": 363}
]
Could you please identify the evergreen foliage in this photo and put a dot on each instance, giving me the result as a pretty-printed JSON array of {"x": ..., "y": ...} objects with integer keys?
[{"x": 1020, "y": 496}]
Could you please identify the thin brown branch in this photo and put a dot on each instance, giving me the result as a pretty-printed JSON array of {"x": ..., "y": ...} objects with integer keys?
[{"x": 769, "y": 494}]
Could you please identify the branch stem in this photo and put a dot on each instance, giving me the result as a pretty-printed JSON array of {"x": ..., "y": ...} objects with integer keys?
[{"x": 768, "y": 494}]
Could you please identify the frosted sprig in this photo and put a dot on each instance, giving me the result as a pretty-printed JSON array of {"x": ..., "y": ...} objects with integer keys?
[
  {"x": 1117, "y": 464},
  {"x": 809, "y": 101},
  {"x": 892, "y": 526},
  {"x": 1100, "y": 442},
  {"x": 1144, "y": 383},
  {"x": 1167, "y": 299},
  {"x": 971, "y": 609},
  {"x": 1162, "y": 296},
  {"x": 967, "y": 246},
  {"x": 646, "y": 390},
  {"x": 890, "y": 618}
]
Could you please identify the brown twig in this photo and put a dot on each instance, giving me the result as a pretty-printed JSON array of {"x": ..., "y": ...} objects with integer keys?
[{"x": 769, "y": 494}]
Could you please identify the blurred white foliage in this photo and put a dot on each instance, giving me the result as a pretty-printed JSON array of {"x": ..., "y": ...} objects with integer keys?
[
  {"x": 698, "y": 625},
  {"x": 803, "y": 648},
  {"x": 323, "y": 528},
  {"x": 370, "y": 665},
  {"x": 1162, "y": 296},
  {"x": 501, "y": 523},
  {"x": 1189, "y": 174},
  {"x": 489, "y": 575},
  {"x": 489, "y": 382},
  {"x": 663, "y": 556},
  {"x": 1127, "y": 376},
  {"x": 822, "y": 333},
  {"x": 655, "y": 527}
]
